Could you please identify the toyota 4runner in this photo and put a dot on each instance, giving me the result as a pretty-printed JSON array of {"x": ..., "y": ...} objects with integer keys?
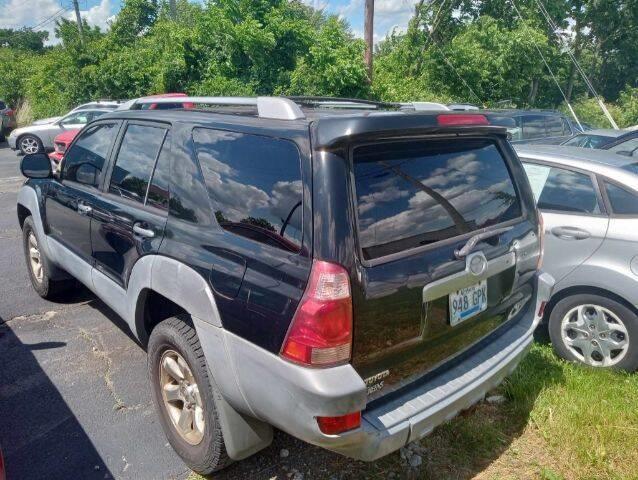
[{"x": 351, "y": 273}]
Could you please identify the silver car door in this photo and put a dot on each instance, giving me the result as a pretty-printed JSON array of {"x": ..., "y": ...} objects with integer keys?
[{"x": 574, "y": 216}]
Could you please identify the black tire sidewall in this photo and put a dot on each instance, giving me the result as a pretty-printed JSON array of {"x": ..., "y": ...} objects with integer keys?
[
  {"x": 42, "y": 288},
  {"x": 628, "y": 317},
  {"x": 202, "y": 457},
  {"x": 28, "y": 135}
]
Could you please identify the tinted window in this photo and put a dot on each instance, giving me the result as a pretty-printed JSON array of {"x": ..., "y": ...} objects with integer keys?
[
  {"x": 567, "y": 129},
  {"x": 622, "y": 201},
  {"x": 135, "y": 161},
  {"x": 254, "y": 183},
  {"x": 2, "y": 105},
  {"x": 84, "y": 161},
  {"x": 416, "y": 193},
  {"x": 158, "y": 191},
  {"x": 554, "y": 126},
  {"x": 562, "y": 190},
  {"x": 629, "y": 148},
  {"x": 533, "y": 126}
]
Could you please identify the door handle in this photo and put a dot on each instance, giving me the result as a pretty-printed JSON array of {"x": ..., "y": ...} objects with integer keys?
[
  {"x": 570, "y": 233},
  {"x": 84, "y": 209},
  {"x": 143, "y": 232}
]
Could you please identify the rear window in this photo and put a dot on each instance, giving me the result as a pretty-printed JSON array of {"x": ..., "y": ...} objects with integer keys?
[
  {"x": 411, "y": 194},
  {"x": 588, "y": 141}
]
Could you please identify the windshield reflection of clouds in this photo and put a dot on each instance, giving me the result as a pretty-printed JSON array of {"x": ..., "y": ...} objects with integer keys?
[{"x": 474, "y": 184}]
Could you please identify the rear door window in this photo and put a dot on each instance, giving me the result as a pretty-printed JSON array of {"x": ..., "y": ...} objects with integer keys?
[
  {"x": 135, "y": 161},
  {"x": 554, "y": 126},
  {"x": 417, "y": 193},
  {"x": 254, "y": 183},
  {"x": 562, "y": 190},
  {"x": 533, "y": 127}
]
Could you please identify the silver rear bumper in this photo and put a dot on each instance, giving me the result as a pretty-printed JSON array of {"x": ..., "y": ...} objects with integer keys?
[{"x": 290, "y": 397}]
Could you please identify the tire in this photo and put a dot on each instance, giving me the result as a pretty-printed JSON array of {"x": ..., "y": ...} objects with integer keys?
[
  {"x": 38, "y": 270},
  {"x": 595, "y": 330},
  {"x": 206, "y": 453},
  {"x": 29, "y": 144}
]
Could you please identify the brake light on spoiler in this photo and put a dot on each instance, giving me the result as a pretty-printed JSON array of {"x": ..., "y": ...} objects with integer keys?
[{"x": 457, "y": 120}]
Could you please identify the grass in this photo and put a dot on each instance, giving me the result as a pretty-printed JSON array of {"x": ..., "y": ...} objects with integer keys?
[{"x": 560, "y": 422}]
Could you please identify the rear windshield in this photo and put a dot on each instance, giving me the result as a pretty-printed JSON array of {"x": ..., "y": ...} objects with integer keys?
[
  {"x": 411, "y": 194},
  {"x": 588, "y": 141}
]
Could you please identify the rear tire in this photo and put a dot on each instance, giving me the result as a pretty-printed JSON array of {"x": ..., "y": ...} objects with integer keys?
[
  {"x": 37, "y": 264},
  {"x": 595, "y": 330},
  {"x": 198, "y": 440}
]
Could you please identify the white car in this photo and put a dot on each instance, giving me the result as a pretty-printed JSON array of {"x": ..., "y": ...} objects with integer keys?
[
  {"x": 108, "y": 104},
  {"x": 38, "y": 137}
]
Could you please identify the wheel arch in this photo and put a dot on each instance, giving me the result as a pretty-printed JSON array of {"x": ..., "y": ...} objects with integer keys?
[{"x": 583, "y": 290}]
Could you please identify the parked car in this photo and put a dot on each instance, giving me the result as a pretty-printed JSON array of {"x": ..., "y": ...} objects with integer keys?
[
  {"x": 38, "y": 137},
  {"x": 61, "y": 144},
  {"x": 540, "y": 126},
  {"x": 7, "y": 120},
  {"x": 622, "y": 142},
  {"x": 352, "y": 278},
  {"x": 107, "y": 104},
  {"x": 589, "y": 202}
]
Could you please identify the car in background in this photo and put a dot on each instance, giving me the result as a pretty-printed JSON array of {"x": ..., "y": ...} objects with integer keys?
[
  {"x": 38, "y": 137},
  {"x": 108, "y": 104},
  {"x": 7, "y": 120},
  {"x": 61, "y": 144},
  {"x": 622, "y": 142},
  {"x": 142, "y": 104},
  {"x": 539, "y": 126},
  {"x": 589, "y": 203}
]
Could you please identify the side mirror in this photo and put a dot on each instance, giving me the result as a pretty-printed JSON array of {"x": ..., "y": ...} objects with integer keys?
[{"x": 36, "y": 165}]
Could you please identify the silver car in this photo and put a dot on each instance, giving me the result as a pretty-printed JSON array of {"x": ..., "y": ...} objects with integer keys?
[
  {"x": 38, "y": 137},
  {"x": 589, "y": 202}
]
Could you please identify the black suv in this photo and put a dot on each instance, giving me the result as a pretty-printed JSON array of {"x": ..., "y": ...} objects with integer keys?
[{"x": 352, "y": 275}]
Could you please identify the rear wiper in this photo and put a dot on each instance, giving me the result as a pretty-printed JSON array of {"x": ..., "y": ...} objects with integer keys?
[{"x": 474, "y": 240}]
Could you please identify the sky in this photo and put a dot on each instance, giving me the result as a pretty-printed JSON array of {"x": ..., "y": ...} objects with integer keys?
[{"x": 43, "y": 13}]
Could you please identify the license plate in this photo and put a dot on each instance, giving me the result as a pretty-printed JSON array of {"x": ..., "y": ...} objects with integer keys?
[{"x": 467, "y": 302}]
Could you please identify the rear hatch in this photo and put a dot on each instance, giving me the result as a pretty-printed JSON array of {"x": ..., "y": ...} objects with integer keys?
[{"x": 442, "y": 226}]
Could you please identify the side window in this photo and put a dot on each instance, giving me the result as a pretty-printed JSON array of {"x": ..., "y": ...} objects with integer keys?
[
  {"x": 622, "y": 201},
  {"x": 158, "y": 191},
  {"x": 254, "y": 183},
  {"x": 533, "y": 126},
  {"x": 628, "y": 148},
  {"x": 562, "y": 190},
  {"x": 554, "y": 126},
  {"x": 84, "y": 161},
  {"x": 567, "y": 128},
  {"x": 78, "y": 118},
  {"x": 135, "y": 161}
]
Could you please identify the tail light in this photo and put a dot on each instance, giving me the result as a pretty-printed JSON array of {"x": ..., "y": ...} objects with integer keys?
[
  {"x": 541, "y": 240},
  {"x": 10, "y": 112},
  {"x": 456, "y": 120},
  {"x": 337, "y": 425},
  {"x": 321, "y": 331}
]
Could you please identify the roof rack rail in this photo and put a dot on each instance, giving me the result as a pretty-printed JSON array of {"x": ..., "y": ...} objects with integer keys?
[
  {"x": 280, "y": 108},
  {"x": 424, "y": 106},
  {"x": 337, "y": 102}
]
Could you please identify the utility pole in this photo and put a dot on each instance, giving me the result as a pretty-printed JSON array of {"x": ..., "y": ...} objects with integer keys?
[
  {"x": 172, "y": 9},
  {"x": 78, "y": 18},
  {"x": 368, "y": 33}
]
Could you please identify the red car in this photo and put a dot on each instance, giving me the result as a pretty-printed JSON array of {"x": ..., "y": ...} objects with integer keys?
[{"x": 62, "y": 141}]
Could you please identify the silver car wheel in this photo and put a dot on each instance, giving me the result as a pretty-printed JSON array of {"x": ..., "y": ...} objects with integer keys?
[
  {"x": 29, "y": 145},
  {"x": 35, "y": 259},
  {"x": 595, "y": 335},
  {"x": 181, "y": 397}
]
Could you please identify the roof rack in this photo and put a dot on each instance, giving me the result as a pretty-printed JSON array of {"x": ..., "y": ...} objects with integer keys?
[
  {"x": 267, "y": 107},
  {"x": 336, "y": 102}
]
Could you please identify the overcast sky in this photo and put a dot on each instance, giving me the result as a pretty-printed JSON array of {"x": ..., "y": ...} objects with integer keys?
[{"x": 43, "y": 13}]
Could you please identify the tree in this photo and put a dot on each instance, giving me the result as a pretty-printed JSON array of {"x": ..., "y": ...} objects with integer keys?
[{"x": 23, "y": 39}]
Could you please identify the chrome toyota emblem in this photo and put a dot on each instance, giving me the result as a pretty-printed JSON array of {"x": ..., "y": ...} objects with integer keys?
[{"x": 476, "y": 264}]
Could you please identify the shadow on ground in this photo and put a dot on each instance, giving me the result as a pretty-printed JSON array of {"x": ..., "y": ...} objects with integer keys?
[{"x": 39, "y": 439}]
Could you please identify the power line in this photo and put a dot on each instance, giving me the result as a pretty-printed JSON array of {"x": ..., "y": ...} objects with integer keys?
[{"x": 518, "y": 12}]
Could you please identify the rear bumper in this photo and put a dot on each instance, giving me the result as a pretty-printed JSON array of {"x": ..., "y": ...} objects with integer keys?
[
  {"x": 11, "y": 140},
  {"x": 290, "y": 397}
]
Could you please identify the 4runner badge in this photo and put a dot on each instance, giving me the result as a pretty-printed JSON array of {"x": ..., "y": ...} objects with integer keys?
[{"x": 375, "y": 382}]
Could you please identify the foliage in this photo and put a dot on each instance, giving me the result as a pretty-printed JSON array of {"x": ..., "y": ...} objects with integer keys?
[{"x": 23, "y": 39}]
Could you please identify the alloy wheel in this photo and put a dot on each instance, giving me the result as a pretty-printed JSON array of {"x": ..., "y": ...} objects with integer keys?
[
  {"x": 35, "y": 259},
  {"x": 182, "y": 400},
  {"x": 595, "y": 335},
  {"x": 29, "y": 145}
]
